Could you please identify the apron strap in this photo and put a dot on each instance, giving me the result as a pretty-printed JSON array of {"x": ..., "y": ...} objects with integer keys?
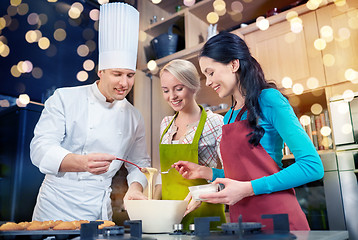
[
  {"x": 242, "y": 111},
  {"x": 239, "y": 115},
  {"x": 166, "y": 129},
  {"x": 199, "y": 130}
]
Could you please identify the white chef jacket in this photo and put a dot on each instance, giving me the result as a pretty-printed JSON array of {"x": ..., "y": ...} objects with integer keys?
[{"x": 79, "y": 120}]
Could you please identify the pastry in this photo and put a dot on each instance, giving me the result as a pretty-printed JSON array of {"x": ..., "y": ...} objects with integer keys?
[
  {"x": 10, "y": 226},
  {"x": 78, "y": 223},
  {"x": 65, "y": 226},
  {"x": 105, "y": 223},
  {"x": 36, "y": 225}
]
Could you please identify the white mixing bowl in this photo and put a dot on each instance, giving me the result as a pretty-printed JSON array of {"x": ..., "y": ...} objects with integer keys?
[{"x": 158, "y": 216}]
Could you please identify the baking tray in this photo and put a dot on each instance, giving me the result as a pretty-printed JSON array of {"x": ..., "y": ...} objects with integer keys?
[{"x": 39, "y": 234}]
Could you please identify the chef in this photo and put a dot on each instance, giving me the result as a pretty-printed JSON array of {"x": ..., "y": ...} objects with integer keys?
[{"x": 83, "y": 129}]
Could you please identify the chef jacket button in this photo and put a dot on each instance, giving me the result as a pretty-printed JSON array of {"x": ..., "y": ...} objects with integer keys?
[{"x": 120, "y": 133}]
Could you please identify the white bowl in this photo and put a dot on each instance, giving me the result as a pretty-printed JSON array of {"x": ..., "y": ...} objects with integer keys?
[
  {"x": 158, "y": 216},
  {"x": 196, "y": 191}
]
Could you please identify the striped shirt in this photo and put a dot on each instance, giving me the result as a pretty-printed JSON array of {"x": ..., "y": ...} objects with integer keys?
[{"x": 208, "y": 152}]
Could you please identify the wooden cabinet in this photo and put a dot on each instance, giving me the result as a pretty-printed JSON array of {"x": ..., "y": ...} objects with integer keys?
[
  {"x": 344, "y": 45},
  {"x": 193, "y": 23},
  {"x": 295, "y": 58}
]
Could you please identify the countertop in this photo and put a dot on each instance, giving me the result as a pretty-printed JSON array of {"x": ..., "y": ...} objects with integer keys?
[{"x": 301, "y": 235}]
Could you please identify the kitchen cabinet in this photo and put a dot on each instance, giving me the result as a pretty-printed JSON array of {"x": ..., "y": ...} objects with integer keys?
[
  {"x": 343, "y": 47},
  {"x": 193, "y": 23},
  {"x": 296, "y": 59}
]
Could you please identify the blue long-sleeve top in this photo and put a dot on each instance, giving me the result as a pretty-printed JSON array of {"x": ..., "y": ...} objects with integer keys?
[{"x": 281, "y": 125}]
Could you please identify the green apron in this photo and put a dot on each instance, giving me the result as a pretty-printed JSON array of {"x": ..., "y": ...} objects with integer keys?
[{"x": 175, "y": 187}]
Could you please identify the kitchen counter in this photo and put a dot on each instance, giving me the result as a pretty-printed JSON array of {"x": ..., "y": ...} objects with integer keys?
[{"x": 301, "y": 235}]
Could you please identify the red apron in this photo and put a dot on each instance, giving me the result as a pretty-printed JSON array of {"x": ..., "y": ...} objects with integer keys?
[{"x": 245, "y": 162}]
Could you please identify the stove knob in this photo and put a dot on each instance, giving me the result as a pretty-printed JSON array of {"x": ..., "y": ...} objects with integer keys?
[
  {"x": 177, "y": 227},
  {"x": 192, "y": 227}
]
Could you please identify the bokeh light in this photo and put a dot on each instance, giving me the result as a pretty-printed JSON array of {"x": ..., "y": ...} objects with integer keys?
[
  {"x": 305, "y": 120},
  {"x": 219, "y": 5},
  {"x": 320, "y": 44},
  {"x": 327, "y": 142},
  {"x": 107, "y": 1},
  {"x": 296, "y": 25},
  {"x": 348, "y": 95},
  {"x": 23, "y": 9},
  {"x": 351, "y": 75},
  {"x": 15, "y": 2},
  {"x": 88, "y": 65},
  {"x": 312, "y": 83},
  {"x": 74, "y": 13},
  {"x": 295, "y": 101},
  {"x": 212, "y": 17},
  {"x": 59, "y": 34},
  {"x": 37, "y": 73},
  {"x": 328, "y": 60},
  {"x": 151, "y": 65},
  {"x": 263, "y": 24},
  {"x": 340, "y": 3},
  {"x": 189, "y": 3},
  {"x": 327, "y": 33},
  {"x": 15, "y": 71},
  {"x": 312, "y": 5},
  {"x": 326, "y": 131},
  {"x": 297, "y": 89},
  {"x": 94, "y": 14},
  {"x": 33, "y": 18},
  {"x": 237, "y": 6},
  {"x": 42, "y": 19},
  {"x": 44, "y": 43},
  {"x": 24, "y": 99},
  {"x": 82, "y": 50},
  {"x": 82, "y": 76},
  {"x": 316, "y": 108},
  {"x": 286, "y": 82}
]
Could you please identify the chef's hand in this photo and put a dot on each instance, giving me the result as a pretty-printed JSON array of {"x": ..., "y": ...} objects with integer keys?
[
  {"x": 233, "y": 192},
  {"x": 191, "y": 170},
  {"x": 95, "y": 163},
  {"x": 193, "y": 204},
  {"x": 135, "y": 192},
  {"x": 98, "y": 163}
]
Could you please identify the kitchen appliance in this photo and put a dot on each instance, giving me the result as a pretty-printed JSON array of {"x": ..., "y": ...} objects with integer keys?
[
  {"x": 20, "y": 180},
  {"x": 344, "y": 115}
]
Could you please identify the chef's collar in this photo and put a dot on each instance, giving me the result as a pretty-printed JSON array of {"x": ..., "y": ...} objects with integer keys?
[{"x": 100, "y": 97}]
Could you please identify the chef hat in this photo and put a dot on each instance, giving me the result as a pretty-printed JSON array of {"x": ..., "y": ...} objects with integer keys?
[{"x": 118, "y": 36}]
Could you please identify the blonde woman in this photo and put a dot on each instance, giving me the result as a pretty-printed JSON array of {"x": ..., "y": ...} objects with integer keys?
[{"x": 192, "y": 135}]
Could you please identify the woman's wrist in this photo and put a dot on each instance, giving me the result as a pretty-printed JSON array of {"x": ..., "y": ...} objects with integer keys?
[{"x": 206, "y": 173}]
